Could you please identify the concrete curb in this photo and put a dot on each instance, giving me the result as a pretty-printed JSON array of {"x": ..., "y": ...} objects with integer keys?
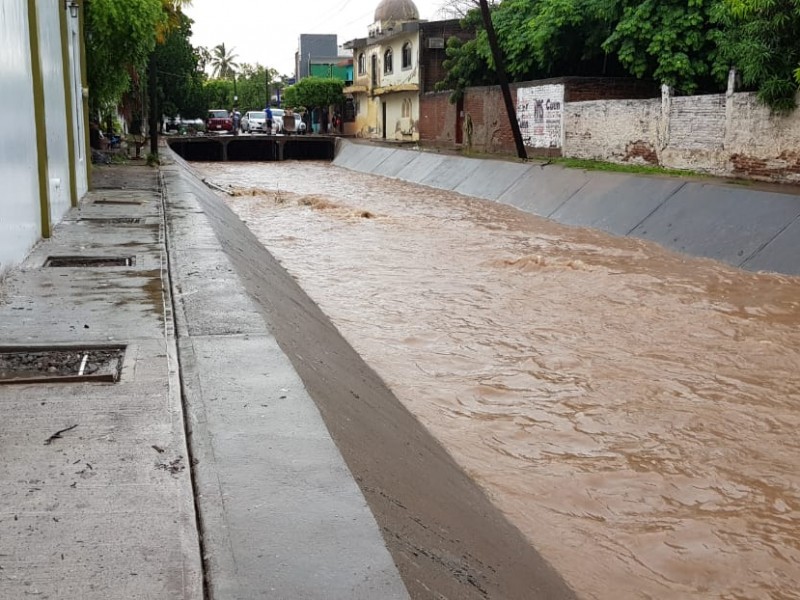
[{"x": 281, "y": 513}]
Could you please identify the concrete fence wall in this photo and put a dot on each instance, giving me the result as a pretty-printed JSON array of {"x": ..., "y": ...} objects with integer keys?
[
  {"x": 754, "y": 230},
  {"x": 722, "y": 134},
  {"x": 727, "y": 134},
  {"x": 39, "y": 181}
]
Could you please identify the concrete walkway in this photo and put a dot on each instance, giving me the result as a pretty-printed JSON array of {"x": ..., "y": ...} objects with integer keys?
[{"x": 105, "y": 509}]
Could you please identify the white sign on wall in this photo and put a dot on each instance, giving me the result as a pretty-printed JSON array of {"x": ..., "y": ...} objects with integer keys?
[{"x": 540, "y": 113}]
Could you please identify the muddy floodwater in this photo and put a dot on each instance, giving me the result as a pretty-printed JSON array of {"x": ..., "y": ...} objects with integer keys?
[{"x": 634, "y": 412}]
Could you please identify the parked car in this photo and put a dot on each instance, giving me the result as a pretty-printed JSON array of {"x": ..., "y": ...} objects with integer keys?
[
  {"x": 278, "y": 115},
  {"x": 218, "y": 120},
  {"x": 172, "y": 124},
  {"x": 277, "y": 120},
  {"x": 254, "y": 121}
]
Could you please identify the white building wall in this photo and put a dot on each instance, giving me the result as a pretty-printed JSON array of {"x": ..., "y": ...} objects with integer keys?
[
  {"x": 78, "y": 122},
  {"x": 19, "y": 201},
  {"x": 399, "y": 75},
  {"x": 54, "y": 119},
  {"x": 20, "y": 206}
]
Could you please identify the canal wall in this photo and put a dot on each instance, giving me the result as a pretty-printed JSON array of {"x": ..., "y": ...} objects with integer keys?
[{"x": 752, "y": 229}]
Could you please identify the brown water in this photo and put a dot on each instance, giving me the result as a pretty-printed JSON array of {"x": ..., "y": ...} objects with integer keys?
[{"x": 633, "y": 411}]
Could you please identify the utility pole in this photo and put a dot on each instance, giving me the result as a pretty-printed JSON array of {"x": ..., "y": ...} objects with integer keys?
[
  {"x": 501, "y": 75},
  {"x": 155, "y": 118}
]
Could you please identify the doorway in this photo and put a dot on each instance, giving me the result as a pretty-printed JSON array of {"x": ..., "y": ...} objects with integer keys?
[{"x": 383, "y": 118}]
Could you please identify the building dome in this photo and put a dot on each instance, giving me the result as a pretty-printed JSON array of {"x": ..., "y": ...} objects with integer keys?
[{"x": 397, "y": 11}]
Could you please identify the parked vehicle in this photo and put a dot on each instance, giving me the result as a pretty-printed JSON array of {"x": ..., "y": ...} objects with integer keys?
[
  {"x": 299, "y": 124},
  {"x": 278, "y": 115},
  {"x": 254, "y": 121},
  {"x": 277, "y": 120},
  {"x": 172, "y": 124},
  {"x": 218, "y": 120}
]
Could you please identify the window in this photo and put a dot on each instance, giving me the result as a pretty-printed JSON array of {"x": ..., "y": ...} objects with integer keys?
[
  {"x": 407, "y": 55},
  {"x": 362, "y": 64},
  {"x": 387, "y": 61},
  {"x": 407, "y": 108},
  {"x": 374, "y": 69}
]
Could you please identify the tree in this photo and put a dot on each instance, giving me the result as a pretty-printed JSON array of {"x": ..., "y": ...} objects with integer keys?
[
  {"x": 218, "y": 93},
  {"x": 761, "y": 41},
  {"x": 314, "y": 91},
  {"x": 254, "y": 85},
  {"x": 671, "y": 41},
  {"x": 539, "y": 39},
  {"x": 119, "y": 39},
  {"x": 223, "y": 62},
  {"x": 180, "y": 82}
]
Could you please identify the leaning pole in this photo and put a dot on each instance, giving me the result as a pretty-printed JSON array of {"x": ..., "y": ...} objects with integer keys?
[{"x": 501, "y": 75}]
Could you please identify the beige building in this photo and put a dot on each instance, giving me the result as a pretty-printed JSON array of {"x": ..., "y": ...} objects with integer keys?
[{"x": 386, "y": 74}]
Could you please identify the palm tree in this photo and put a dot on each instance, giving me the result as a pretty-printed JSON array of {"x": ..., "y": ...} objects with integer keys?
[{"x": 223, "y": 62}]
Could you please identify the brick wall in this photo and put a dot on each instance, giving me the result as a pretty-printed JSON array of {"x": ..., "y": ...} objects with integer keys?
[
  {"x": 431, "y": 59},
  {"x": 620, "y": 121},
  {"x": 491, "y": 129},
  {"x": 437, "y": 118}
]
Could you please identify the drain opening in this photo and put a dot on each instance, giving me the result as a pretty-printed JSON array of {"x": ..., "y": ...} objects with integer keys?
[
  {"x": 111, "y": 201},
  {"x": 60, "y": 364},
  {"x": 90, "y": 261},
  {"x": 126, "y": 220}
]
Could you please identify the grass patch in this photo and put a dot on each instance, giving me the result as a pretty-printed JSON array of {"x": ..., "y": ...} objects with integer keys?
[{"x": 599, "y": 165}]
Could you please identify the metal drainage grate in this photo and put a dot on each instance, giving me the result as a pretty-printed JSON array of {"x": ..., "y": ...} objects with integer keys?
[
  {"x": 62, "y": 364},
  {"x": 124, "y": 221},
  {"x": 121, "y": 201},
  {"x": 90, "y": 261}
]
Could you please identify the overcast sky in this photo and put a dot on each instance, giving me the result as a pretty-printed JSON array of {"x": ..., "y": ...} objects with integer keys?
[{"x": 266, "y": 32}]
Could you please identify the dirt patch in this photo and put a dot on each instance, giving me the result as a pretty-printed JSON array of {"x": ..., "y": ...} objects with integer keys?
[{"x": 31, "y": 366}]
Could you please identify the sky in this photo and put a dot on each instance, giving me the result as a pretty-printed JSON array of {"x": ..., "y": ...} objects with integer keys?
[{"x": 266, "y": 32}]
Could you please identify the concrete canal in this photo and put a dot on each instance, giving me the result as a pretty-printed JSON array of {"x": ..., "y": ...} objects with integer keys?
[{"x": 631, "y": 410}]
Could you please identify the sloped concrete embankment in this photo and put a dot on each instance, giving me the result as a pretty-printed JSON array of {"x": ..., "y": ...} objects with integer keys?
[
  {"x": 444, "y": 534},
  {"x": 751, "y": 229}
]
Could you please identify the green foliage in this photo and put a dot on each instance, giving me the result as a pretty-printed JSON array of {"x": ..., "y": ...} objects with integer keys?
[
  {"x": 119, "y": 39},
  {"x": 218, "y": 93},
  {"x": 253, "y": 85},
  {"x": 761, "y": 40},
  {"x": 223, "y": 62},
  {"x": 180, "y": 82},
  {"x": 465, "y": 67},
  {"x": 314, "y": 91},
  {"x": 538, "y": 39},
  {"x": 671, "y": 41}
]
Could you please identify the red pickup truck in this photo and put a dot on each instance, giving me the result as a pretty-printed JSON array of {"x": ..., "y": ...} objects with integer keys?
[{"x": 219, "y": 120}]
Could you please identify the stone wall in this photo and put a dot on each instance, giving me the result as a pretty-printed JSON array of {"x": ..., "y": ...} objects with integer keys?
[
  {"x": 720, "y": 134},
  {"x": 618, "y": 131}
]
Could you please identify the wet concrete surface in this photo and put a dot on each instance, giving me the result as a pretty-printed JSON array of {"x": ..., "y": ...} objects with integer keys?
[
  {"x": 631, "y": 410},
  {"x": 85, "y": 509},
  {"x": 446, "y": 537},
  {"x": 280, "y": 513}
]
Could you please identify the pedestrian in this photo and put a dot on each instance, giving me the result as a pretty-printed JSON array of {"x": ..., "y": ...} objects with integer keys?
[
  {"x": 268, "y": 112},
  {"x": 236, "y": 117},
  {"x": 324, "y": 121},
  {"x": 315, "y": 119}
]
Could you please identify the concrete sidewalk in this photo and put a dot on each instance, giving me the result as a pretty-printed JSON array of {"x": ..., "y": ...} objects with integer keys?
[{"x": 106, "y": 509}]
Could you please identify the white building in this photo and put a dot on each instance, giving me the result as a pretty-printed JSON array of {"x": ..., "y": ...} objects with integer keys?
[
  {"x": 400, "y": 58},
  {"x": 43, "y": 140}
]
